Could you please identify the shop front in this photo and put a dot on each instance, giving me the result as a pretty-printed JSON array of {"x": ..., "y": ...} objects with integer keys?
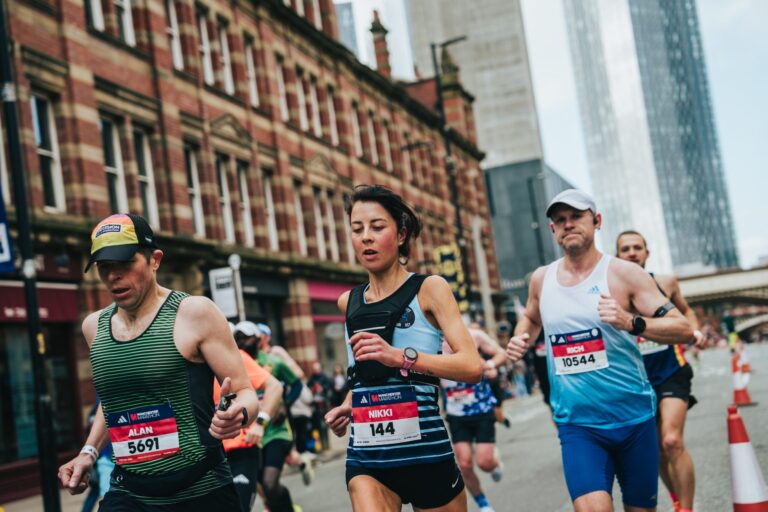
[{"x": 328, "y": 323}]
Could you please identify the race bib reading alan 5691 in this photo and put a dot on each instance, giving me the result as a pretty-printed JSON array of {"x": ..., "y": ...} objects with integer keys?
[
  {"x": 578, "y": 352},
  {"x": 143, "y": 434},
  {"x": 385, "y": 416}
]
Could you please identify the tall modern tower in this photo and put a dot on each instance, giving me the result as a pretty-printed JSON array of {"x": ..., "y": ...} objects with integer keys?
[
  {"x": 649, "y": 129},
  {"x": 494, "y": 68}
]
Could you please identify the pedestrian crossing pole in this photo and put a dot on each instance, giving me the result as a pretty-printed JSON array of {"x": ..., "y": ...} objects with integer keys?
[{"x": 46, "y": 443}]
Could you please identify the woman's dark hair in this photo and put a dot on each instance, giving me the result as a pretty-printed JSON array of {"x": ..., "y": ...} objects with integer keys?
[{"x": 403, "y": 214}]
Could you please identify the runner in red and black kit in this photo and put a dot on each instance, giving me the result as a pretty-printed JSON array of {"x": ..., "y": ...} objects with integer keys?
[{"x": 671, "y": 376}]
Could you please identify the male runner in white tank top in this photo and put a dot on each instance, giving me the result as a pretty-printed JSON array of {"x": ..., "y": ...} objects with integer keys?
[{"x": 604, "y": 407}]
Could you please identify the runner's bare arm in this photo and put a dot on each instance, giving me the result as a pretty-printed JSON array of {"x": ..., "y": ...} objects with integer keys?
[
  {"x": 528, "y": 325},
  {"x": 283, "y": 354},
  {"x": 490, "y": 347},
  {"x": 201, "y": 320},
  {"x": 465, "y": 364},
  {"x": 273, "y": 393},
  {"x": 633, "y": 289},
  {"x": 676, "y": 297}
]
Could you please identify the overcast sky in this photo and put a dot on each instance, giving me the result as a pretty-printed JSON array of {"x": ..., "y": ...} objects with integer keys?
[{"x": 735, "y": 35}]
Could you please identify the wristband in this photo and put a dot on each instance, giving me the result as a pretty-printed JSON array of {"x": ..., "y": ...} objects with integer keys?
[
  {"x": 697, "y": 335},
  {"x": 263, "y": 418},
  {"x": 490, "y": 365},
  {"x": 90, "y": 450}
]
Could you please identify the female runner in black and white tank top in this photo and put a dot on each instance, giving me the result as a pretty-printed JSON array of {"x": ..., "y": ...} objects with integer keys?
[{"x": 399, "y": 450}]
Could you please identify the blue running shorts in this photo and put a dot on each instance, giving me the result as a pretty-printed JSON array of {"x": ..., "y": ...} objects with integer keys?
[{"x": 592, "y": 457}]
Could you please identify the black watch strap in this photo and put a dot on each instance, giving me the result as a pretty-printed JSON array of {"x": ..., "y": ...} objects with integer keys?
[
  {"x": 245, "y": 416},
  {"x": 638, "y": 325}
]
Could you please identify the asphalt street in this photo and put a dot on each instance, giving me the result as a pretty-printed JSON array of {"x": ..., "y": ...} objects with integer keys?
[{"x": 533, "y": 479}]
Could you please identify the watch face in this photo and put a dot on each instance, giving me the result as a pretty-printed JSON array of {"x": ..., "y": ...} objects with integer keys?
[{"x": 411, "y": 353}]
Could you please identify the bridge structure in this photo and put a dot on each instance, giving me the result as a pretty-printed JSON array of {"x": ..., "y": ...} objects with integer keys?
[{"x": 733, "y": 296}]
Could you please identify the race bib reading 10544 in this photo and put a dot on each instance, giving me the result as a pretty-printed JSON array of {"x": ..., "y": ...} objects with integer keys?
[
  {"x": 385, "y": 416},
  {"x": 578, "y": 352},
  {"x": 143, "y": 434}
]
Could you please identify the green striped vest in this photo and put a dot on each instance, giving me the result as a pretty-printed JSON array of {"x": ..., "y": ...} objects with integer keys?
[{"x": 158, "y": 405}]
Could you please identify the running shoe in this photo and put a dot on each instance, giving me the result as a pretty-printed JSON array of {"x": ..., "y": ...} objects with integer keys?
[
  {"x": 307, "y": 471},
  {"x": 498, "y": 471}
]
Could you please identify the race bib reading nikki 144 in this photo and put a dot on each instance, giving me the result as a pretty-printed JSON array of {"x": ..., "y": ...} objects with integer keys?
[
  {"x": 578, "y": 352},
  {"x": 143, "y": 434},
  {"x": 385, "y": 416}
]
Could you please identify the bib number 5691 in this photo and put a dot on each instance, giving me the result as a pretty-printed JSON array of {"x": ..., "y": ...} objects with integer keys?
[
  {"x": 381, "y": 430},
  {"x": 143, "y": 445}
]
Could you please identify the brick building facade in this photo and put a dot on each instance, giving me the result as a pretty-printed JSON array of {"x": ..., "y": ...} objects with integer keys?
[{"x": 232, "y": 127}]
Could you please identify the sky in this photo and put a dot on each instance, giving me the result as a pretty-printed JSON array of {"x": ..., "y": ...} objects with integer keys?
[{"x": 735, "y": 36}]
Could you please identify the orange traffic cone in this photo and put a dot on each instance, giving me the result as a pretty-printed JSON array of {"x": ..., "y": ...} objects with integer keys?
[
  {"x": 745, "y": 366},
  {"x": 750, "y": 494},
  {"x": 740, "y": 393}
]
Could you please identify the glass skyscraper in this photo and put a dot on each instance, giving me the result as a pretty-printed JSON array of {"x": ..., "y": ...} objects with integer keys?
[{"x": 649, "y": 129}]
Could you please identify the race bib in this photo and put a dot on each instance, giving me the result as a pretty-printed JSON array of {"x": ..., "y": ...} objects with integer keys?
[
  {"x": 385, "y": 416},
  {"x": 143, "y": 434},
  {"x": 540, "y": 349},
  {"x": 578, "y": 352},
  {"x": 459, "y": 397},
  {"x": 650, "y": 347}
]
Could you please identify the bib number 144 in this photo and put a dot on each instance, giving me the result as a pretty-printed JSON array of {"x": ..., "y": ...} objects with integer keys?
[{"x": 382, "y": 429}]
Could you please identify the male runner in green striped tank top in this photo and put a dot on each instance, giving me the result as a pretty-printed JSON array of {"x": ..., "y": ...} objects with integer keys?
[{"x": 155, "y": 353}]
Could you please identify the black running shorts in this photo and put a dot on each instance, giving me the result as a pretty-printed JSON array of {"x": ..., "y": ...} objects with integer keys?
[
  {"x": 481, "y": 429},
  {"x": 421, "y": 485},
  {"x": 223, "y": 498},
  {"x": 678, "y": 385}
]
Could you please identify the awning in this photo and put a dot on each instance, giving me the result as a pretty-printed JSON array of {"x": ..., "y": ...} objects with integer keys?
[
  {"x": 57, "y": 302},
  {"x": 319, "y": 290}
]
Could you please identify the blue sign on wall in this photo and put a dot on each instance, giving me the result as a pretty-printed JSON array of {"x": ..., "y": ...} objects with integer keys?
[{"x": 6, "y": 251}]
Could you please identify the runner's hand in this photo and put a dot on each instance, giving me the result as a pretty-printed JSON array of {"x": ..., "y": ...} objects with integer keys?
[
  {"x": 254, "y": 434},
  {"x": 338, "y": 419},
  {"x": 367, "y": 346},
  {"x": 227, "y": 424},
  {"x": 74, "y": 475},
  {"x": 613, "y": 314},
  {"x": 700, "y": 340},
  {"x": 517, "y": 347}
]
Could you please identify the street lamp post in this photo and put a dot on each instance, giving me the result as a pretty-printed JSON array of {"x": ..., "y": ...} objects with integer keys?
[
  {"x": 46, "y": 441},
  {"x": 450, "y": 168}
]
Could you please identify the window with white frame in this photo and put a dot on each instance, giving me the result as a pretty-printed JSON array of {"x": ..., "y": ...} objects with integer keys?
[
  {"x": 48, "y": 157},
  {"x": 406, "y": 153},
  {"x": 300, "y": 7},
  {"x": 4, "y": 184},
  {"x": 226, "y": 60},
  {"x": 123, "y": 11},
  {"x": 317, "y": 208},
  {"x": 332, "y": 118},
  {"x": 269, "y": 204},
  {"x": 356, "y": 136},
  {"x": 245, "y": 202},
  {"x": 299, "y": 213},
  {"x": 96, "y": 14},
  {"x": 113, "y": 166},
  {"x": 193, "y": 189},
  {"x": 205, "y": 49},
  {"x": 174, "y": 35},
  {"x": 386, "y": 147},
  {"x": 285, "y": 114},
  {"x": 225, "y": 203},
  {"x": 317, "y": 14},
  {"x": 250, "y": 71},
  {"x": 372, "y": 138},
  {"x": 301, "y": 100},
  {"x": 317, "y": 128},
  {"x": 348, "y": 234},
  {"x": 146, "y": 177},
  {"x": 333, "y": 241}
]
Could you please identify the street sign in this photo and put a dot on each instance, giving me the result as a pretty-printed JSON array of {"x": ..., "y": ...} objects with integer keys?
[
  {"x": 6, "y": 250},
  {"x": 223, "y": 291}
]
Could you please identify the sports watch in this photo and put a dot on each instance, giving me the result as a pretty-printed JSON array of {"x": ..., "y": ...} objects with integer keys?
[
  {"x": 410, "y": 355},
  {"x": 638, "y": 325}
]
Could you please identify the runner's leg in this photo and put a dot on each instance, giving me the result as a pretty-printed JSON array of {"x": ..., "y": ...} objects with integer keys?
[
  {"x": 679, "y": 464},
  {"x": 367, "y": 493},
  {"x": 486, "y": 457},
  {"x": 463, "y": 451},
  {"x": 457, "y": 504}
]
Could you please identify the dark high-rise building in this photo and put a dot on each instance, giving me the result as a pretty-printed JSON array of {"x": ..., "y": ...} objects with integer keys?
[{"x": 649, "y": 129}]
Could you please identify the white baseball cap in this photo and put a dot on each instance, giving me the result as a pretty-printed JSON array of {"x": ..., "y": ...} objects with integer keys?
[
  {"x": 248, "y": 328},
  {"x": 574, "y": 198}
]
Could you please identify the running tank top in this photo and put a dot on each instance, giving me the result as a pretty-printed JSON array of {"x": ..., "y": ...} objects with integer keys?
[
  {"x": 158, "y": 405},
  {"x": 467, "y": 401},
  {"x": 596, "y": 371},
  {"x": 661, "y": 360},
  {"x": 398, "y": 423}
]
